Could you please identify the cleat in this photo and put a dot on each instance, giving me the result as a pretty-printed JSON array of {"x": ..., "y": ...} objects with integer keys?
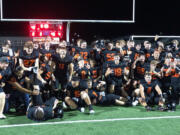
[
  {"x": 135, "y": 103},
  {"x": 82, "y": 109},
  {"x": 2, "y": 116},
  {"x": 148, "y": 108},
  {"x": 91, "y": 112},
  {"x": 161, "y": 108},
  {"x": 173, "y": 107}
]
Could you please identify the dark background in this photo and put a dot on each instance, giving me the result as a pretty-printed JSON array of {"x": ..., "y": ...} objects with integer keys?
[{"x": 152, "y": 16}]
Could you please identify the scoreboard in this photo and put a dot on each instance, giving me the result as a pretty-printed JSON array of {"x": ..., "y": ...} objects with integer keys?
[{"x": 45, "y": 29}]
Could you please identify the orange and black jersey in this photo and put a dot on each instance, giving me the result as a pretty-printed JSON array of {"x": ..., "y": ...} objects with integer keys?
[
  {"x": 85, "y": 54},
  {"x": 117, "y": 70},
  {"x": 75, "y": 91},
  {"x": 140, "y": 69},
  {"x": 149, "y": 87},
  {"x": 102, "y": 98},
  {"x": 165, "y": 68},
  {"x": 5, "y": 74},
  {"x": 47, "y": 53},
  {"x": 83, "y": 73},
  {"x": 95, "y": 72},
  {"x": 135, "y": 54},
  {"x": 61, "y": 64},
  {"x": 74, "y": 50},
  {"x": 47, "y": 74},
  {"x": 126, "y": 50},
  {"x": 93, "y": 94},
  {"x": 148, "y": 53},
  {"x": 14, "y": 78},
  {"x": 29, "y": 60},
  {"x": 166, "y": 76},
  {"x": 175, "y": 78},
  {"x": 108, "y": 55}
]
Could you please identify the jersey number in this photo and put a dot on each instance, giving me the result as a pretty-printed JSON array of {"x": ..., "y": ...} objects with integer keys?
[
  {"x": 140, "y": 70},
  {"x": 84, "y": 55},
  {"x": 117, "y": 71},
  {"x": 29, "y": 63},
  {"x": 83, "y": 74},
  {"x": 61, "y": 66},
  {"x": 110, "y": 56}
]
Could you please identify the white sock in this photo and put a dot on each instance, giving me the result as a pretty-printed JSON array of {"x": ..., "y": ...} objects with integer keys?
[{"x": 2, "y": 102}]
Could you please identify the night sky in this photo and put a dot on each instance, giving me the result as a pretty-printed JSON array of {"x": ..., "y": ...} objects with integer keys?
[{"x": 152, "y": 16}]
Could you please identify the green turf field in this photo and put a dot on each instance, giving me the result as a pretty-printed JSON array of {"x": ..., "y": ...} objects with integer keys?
[{"x": 170, "y": 126}]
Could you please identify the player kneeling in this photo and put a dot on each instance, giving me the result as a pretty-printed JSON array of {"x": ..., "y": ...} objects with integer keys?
[
  {"x": 151, "y": 93},
  {"x": 77, "y": 95}
]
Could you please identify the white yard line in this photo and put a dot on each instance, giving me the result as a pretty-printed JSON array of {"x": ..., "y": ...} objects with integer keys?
[{"x": 89, "y": 121}]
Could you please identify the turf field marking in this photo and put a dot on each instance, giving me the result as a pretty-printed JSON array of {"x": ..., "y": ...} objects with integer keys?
[{"x": 88, "y": 121}]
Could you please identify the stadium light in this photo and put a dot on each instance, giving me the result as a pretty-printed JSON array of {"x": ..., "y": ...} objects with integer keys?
[
  {"x": 59, "y": 34},
  {"x": 40, "y": 33},
  {"x": 33, "y": 27},
  {"x": 60, "y": 27},
  {"x": 46, "y": 26},
  {"x": 33, "y": 33},
  {"x": 41, "y": 26},
  {"x": 53, "y": 34}
]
